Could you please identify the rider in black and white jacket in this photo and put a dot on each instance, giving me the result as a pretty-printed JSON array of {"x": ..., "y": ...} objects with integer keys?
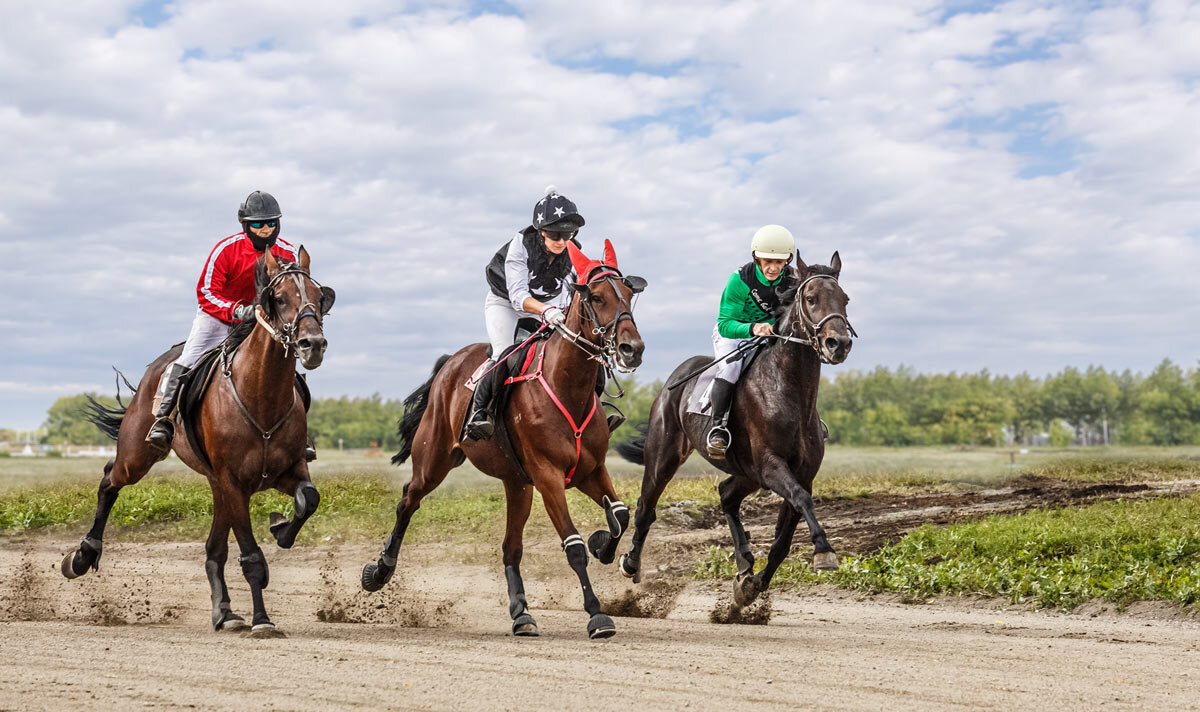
[{"x": 529, "y": 281}]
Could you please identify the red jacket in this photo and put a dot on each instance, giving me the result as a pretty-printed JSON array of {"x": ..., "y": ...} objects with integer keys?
[{"x": 228, "y": 276}]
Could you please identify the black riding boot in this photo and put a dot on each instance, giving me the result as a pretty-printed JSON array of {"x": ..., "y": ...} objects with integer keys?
[
  {"x": 479, "y": 426},
  {"x": 614, "y": 419},
  {"x": 719, "y": 436},
  {"x": 163, "y": 430}
]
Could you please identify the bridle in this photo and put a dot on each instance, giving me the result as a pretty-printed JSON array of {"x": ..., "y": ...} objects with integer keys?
[
  {"x": 285, "y": 335},
  {"x": 811, "y": 330},
  {"x": 604, "y": 352}
]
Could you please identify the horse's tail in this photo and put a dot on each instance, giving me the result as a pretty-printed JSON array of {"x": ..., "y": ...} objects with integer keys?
[
  {"x": 414, "y": 409},
  {"x": 105, "y": 418},
  {"x": 635, "y": 449}
]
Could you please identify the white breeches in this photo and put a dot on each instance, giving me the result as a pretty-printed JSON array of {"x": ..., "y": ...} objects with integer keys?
[
  {"x": 723, "y": 347},
  {"x": 207, "y": 332},
  {"x": 501, "y": 321}
]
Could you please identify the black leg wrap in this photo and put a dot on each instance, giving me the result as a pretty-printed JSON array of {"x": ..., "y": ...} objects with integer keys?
[
  {"x": 254, "y": 568},
  {"x": 375, "y": 576},
  {"x": 222, "y": 617},
  {"x": 523, "y": 624},
  {"x": 576, "y": 554}
]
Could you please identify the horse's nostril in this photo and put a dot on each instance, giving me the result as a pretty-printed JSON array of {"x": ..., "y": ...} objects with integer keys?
[
  {"x": 832, "y": 343},
  {"x": 626, "y": 350}
]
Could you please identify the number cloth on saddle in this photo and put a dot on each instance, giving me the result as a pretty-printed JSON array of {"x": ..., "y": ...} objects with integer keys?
[{"x": 699, "y": 401}]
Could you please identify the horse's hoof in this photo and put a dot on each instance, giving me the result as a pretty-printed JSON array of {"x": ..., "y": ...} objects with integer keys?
[
  {"x": 279, "y": 527},
  {"x": 601, "y": 626},
  {"x": 228, "y": 622},
  {"x": 635, "y": 574},
  {"x": 524, "y": 626},
  {"x": 371, "y": 581},
  {"x": 825, "y": 561},
  {"x": 745, "y": 590},
  {"x": 68, "y": 566},
  {"x": 597, "y": 543},
  {"x": 263, "y": 631}
]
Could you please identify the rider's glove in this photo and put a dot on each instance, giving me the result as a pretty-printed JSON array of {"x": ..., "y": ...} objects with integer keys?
[
  {"x": 554, "y": 316},
  {"x": 243, "y": 312}
]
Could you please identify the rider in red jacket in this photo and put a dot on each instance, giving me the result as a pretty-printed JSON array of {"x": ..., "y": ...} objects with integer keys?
[{"x": 226, "y": 293}]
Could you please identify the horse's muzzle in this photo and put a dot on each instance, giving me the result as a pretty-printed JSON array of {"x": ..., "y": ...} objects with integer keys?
[
  {"x": 836, "y": 347},
  {"x": 629, "y": 354},
  {"x": 311, "y": 350}
]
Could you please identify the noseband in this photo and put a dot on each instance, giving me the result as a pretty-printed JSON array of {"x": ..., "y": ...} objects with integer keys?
[
  {"x": 811, "y": 330},
  {"x": 285, "y": 335},
  {"x": 605, "y": 353}
]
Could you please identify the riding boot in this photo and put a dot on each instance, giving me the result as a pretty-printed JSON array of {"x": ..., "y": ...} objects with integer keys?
[
  {"x": 614, "y": 419},
  {"x": 163, "y": 430},
  {"x": 719, "y": 436},
  {"x": 479, "y": 426}
]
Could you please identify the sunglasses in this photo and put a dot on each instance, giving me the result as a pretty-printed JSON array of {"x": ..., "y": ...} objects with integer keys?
[
  {"x": 558, "y": 236},
  {"x": 258, "y": 225}
]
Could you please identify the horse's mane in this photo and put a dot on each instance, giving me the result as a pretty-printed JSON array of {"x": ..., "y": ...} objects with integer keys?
[
  {"x": 240, "y": 332},
  {"x": 790, "y": 284}
]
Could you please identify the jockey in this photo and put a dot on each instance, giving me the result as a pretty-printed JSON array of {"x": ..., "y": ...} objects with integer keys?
[
  {"x": 529, "y": 280},
  {"x": 226, "y": 293},
  {"x": 747, "y": 307}
]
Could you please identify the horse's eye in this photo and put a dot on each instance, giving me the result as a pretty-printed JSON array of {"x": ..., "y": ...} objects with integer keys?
[{"x": 811, "y": 300}]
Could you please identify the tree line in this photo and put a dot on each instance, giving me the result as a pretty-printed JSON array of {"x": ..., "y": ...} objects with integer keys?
[{"x": 892, "y": 407}]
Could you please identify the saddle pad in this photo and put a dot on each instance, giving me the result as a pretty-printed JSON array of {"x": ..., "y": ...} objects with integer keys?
[
  {"x": 700, "y": 400},
  {"x": 476, "y": 375}
]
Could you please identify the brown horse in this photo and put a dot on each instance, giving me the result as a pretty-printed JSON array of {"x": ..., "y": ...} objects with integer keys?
[
  {"x": 778, "y": 439},
  {"x": 557, "y": 432},
  {"x": 252, "y": 429}
]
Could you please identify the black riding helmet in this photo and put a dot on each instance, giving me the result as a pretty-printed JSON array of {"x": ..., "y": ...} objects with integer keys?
[
  {"x": 556, "y": 213},
  {"x": 259, "y": 206}
]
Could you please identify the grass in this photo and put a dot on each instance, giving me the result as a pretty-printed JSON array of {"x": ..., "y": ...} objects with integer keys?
[{"x": 1119, "y": 551}]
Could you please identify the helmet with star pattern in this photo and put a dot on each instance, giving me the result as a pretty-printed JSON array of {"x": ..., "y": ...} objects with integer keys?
[{"x": 556, "y": 213}]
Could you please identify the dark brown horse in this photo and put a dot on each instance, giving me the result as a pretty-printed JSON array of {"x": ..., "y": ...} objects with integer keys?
[
  {"x": 252, "y": 428},
  {"x": 552, "y": 447},
  {"x": 778, "y": 439}
]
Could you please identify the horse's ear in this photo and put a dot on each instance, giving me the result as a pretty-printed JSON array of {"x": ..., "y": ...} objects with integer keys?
[
  {"x": 610, "y": 255},
  {"x": 578, "y": 260},
  {"x": 302, "y": 258},
  {"x": 801, "y": 268},
  {"x": 835, "y": 263},
  {"x": 271, "y": 263}
]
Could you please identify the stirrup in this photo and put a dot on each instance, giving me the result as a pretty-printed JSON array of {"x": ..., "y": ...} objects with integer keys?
[
  {"x": 478, "y": 428},
  {"x": 716, "y": 448},
  {"x": 614, "y": 419},
  {"x": 310, "y": 453},
  {"x": 164, "y": 428}
]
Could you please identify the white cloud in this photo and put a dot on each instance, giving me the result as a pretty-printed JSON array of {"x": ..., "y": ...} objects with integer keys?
[{"x": 405, "y": 147}]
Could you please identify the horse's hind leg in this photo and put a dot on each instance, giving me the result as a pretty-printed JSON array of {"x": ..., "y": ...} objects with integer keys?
[
  {"x": 554, "y": 496},
  {"x": 217, "y": 553},
  {"x": 520, "y": 498},
  {"x": 426, "y": 478},
  {"x": 306, "y": 496},
  {"x": 666, "y": 449},
  {"x": 603, "y": 543},
  {"x": 117, "y": 474},
  {"x": 733, "y": 491}
]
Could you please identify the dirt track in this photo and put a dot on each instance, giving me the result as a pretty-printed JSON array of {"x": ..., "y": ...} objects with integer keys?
[{"x": 136, "y": 635}]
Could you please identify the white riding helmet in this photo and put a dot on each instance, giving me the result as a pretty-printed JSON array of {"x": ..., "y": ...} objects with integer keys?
[{"x": 773, "y": 242}]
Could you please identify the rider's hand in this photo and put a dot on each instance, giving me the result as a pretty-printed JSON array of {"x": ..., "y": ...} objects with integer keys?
[
  {"x": 554, "y": 316},
  {"x": 243, "y": 312},
  {"x": 762, "y": 330}
]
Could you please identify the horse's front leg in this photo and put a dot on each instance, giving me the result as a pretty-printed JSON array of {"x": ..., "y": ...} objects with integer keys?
[
  {"x": 217, "y": 553},
  {"x": 784, "y": 483},
  {"x": 602, "y": 543},
  {"x": 296, "y": 483},
  {"x": 550, "y": 486},
  {"x": 254, "y": 564}
]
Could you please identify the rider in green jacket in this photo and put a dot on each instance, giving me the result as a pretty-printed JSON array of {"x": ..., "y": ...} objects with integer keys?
[{"x": 747, "y": 306}]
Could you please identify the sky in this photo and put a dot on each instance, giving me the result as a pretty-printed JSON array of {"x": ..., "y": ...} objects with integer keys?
[{"x": 1011, "y": 186}]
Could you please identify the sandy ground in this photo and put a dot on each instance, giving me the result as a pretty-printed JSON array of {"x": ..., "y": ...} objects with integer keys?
[{"x": 136, "y": 636}]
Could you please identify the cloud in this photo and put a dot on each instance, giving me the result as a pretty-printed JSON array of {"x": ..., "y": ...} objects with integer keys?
[{"x": 1010, "y": 187}]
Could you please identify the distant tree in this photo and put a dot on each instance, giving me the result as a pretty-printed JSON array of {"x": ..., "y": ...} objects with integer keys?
[{"x": 66, "y": 423}]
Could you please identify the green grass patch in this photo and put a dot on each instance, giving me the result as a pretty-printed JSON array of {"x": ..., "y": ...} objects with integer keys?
[{"x": 1119, "y": 551}]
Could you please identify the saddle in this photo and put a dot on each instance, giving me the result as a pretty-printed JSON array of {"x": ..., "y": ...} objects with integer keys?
[
  {"x": 194, "y": 386},
  {"x": 699, "y": 401}
]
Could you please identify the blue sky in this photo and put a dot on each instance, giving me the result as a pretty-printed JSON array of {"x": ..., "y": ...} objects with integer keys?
[{"x": 1011, "y": 185}]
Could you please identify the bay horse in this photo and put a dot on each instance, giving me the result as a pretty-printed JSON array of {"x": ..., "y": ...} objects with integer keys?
[
  {"x": 778, "y": 438},
  {"x": 251, "y": 427},
  {"x": 553, "y": 423}
]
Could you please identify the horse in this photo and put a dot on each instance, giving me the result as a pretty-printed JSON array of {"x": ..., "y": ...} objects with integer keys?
[
  {"x": 250, "y": 428},
  {"x": 547, "y": 437},
  {"x": 778, "y": 437}
]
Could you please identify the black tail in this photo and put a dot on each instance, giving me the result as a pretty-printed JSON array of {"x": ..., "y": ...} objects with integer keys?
[
  {"x": 105, "y": 418},
  {"x": 635, "y": 449},
  {"x": 414, "y": 408}
]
